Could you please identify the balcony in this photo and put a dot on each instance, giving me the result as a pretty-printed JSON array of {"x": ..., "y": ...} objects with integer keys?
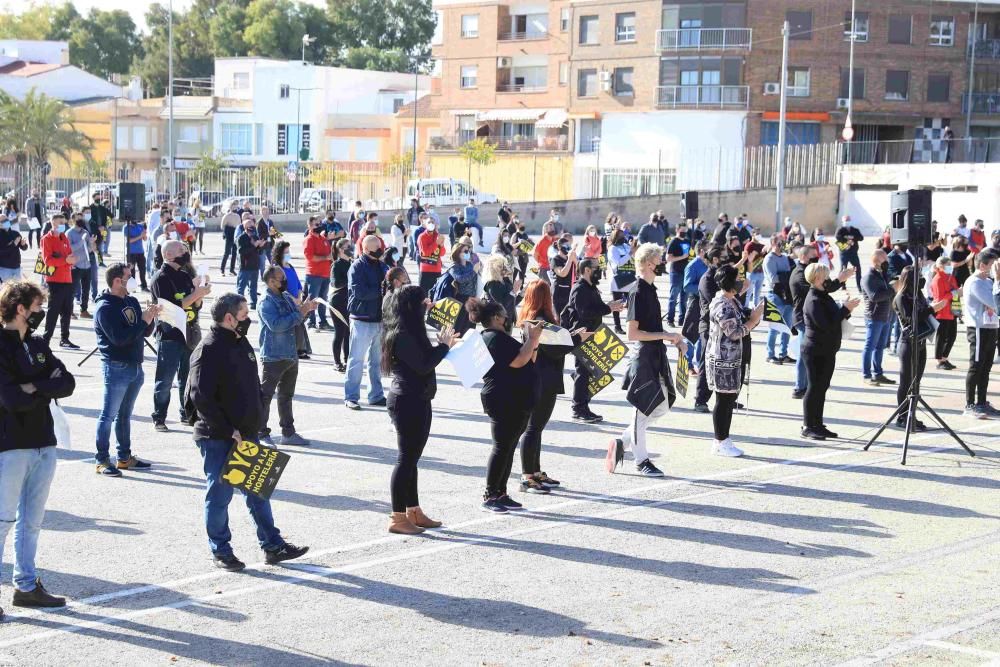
[
  {"x": 521, "y": 88},
  {"x": 193, "y": 148},
  {"x": 542, "y": 142},
  {"x": 702, "y": 97},
  {"x": 984, "y": 103},
  {"x": 986, "y": 49},
  {"x": 703, "y": 39}
]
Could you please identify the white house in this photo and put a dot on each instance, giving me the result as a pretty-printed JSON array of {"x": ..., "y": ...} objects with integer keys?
[
  {"x": 44, "y": 66},
  {"x": 268, "y": 110}
]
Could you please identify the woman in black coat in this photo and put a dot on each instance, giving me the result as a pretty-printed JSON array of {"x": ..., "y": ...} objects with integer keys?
[{"x": 823, "y": 319}]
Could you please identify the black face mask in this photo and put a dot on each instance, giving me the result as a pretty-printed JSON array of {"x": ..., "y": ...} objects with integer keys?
[
  {"x": 922, "y": 284},
  {"x": 812, "y": 260},
  {"x": 184, "y": 259},
  {"x": 35, "y": 320},
  {"x": 376, "y": 254},
  {"x": 243, "y": 327},
  {"x": 883, "y": 267}
]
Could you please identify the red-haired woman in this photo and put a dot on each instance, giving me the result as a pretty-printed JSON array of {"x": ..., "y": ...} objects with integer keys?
[{"x": 537, "y": 306}]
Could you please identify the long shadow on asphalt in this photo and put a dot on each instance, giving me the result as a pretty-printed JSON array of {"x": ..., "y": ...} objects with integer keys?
[
  {"x": 498, "y": 616},
  {"x": 71, "y": 523},
  {"x": 387, "y": 456}
]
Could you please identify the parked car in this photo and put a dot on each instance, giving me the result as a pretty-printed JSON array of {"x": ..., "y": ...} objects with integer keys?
[
  {"x": 446, "y": 192},
  {"x": 217, "y": 210},
  {"x": 318, "y": 200},
  {"x": 53, "y": 199},
  {"x": 85, "y": 195}
]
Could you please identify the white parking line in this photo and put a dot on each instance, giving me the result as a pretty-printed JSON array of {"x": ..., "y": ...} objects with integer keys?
[{"x": 959, "y": 648}]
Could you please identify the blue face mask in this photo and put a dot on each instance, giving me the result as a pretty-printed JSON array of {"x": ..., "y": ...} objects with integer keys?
[
  {"x": 61, "y": 229},
  {"x": 466, "y": 256},
  {"x": 6, "y": 224}
]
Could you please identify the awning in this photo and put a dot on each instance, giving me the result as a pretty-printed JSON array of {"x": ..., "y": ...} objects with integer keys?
[
  {"x": 510, "y": 114},
  {"x": 553, "y": 118},
  {"x": 817, "y": 116}
]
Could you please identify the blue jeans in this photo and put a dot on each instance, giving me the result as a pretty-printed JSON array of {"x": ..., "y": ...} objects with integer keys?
[
  {"x": 894, "y": 332},
  {"x": 247, "y": 278},
  {"x": 122, "y": 382},
  {"x": 677, "y": 299},
  {"x": 9, "y": 274},
  {"x": 876, "y": 340},
  {"x": 801, "y": 382},
  {"x": 366, "y": 338},
  {"x": 756, "y": 288},
  {"x": 25, "y": 478},
  {"x": 317, "y": 287},
  {"x": 219, "y": 493},
  {"x": 787, "y": 312},
  {"x": 172, "y": 359}
]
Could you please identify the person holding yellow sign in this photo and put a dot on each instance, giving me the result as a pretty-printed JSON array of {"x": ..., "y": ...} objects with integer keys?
[{"x": 650, "y": 387}]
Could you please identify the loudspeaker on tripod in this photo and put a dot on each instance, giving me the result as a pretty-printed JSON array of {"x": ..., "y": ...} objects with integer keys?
[
  {"x": 911, "y": 217},
  {"x": 131, "y": 202},
  {"x": 689, "y": 205}
]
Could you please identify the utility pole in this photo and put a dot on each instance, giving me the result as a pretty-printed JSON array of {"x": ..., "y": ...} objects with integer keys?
[
  {"x": 848, "y": 133},
  {"x": 779, "y": 203},
  {"x": 170, "y": 98},
  {"x": 416, "y": 92},
  {"x": 972, "y": 72}
]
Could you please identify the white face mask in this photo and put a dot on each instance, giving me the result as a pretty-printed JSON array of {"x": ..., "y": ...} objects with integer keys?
[
  {"x": 132, "y": 285},
  {"x": 820, "y": 238}
]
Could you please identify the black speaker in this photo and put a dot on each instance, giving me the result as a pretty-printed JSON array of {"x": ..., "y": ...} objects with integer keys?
[
  {"x": 911, "y": 217},
  {"x": 131, "y": 202},
  {"x": 689, "y": 205}
]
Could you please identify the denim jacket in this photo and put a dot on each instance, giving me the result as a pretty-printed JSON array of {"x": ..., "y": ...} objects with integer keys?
[{"x": 278, "y": 317}]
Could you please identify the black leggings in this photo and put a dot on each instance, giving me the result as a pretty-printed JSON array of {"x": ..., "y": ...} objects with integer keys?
[
  {"x": 618, "y": 296},
  {"x": 229, "y": 234},
  {"x": 977, "y": 380},
  {"x": 722, "y": 414},
  {"x": 137, "y": 261},
  {"x": 411, "y": 416},
  {"x": 531, "y": 441},
  {"x": 946, "y": 334},
  {"x": 819, "y": 373},
  {"x": 199, "y": 239},
  {"x": 341, "y": 335},
  {"x": 506, "y": 426},
  {"x": 906, "y": 366}
]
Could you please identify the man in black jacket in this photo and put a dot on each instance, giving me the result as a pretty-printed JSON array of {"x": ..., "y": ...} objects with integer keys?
[
  {"x": 849, "y": 238},
  {"x": 586, "y": 309},
  {"x": 707, "y": 289},
  {"x": 34, "y": 207},
  {"x": 30, "y": 378},
  {"x": 807, "y": 254},
  {"x": 879, "y": 293},
  {"x": 224, "y": 390}
]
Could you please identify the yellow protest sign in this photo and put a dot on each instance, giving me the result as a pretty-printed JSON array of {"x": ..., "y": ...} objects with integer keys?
[
  {"x": 774, "y": 318},
  {"x": 254, "y": 468},
  {"x": 601, "y": 352},
  {"x": 444, "y": 313},
  {"x": 598, "y": 383},
  {"x": 40, "y": 267},
  {"x": 527, "y": 246},
  {"x": 681, "y": 377}
]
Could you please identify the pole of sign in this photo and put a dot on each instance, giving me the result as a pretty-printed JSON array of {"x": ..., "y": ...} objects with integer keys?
[
  {"x": 170, "y": 96},
  {"x": 972, "y": 71},
  {"x": 848, "y": 134},
  {"x": 779, "y": 202},
  {"x": 416, "y": 92}
]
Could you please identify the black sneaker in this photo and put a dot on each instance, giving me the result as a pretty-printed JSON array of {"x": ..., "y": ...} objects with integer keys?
[
  {"x": 68, "y": 345},
  {"x": 39, "y": 597},
  {"x": 493, "y": 504},
  {"x": 107, "y": 469},
  {"x": 586, "y": 417},
  {"x": 287, "y": 552},
  {"x": 160, "y": 427},
  {"x": 532, "y": 485},
  {"x": 380, "y": 403},
  {"x": 827, "y": 433},
  {"x": 546, "y": 481},
  {"x": 702, "y": 408},
  {"x": 788, "y": 360},
  {"x": 918, "y": 426},
  {"x": 884, "y": 380},
  {"x": 812, "y": 434},
  {"x": 509, "y": 503},
  {"x": 228, "y": 562},
  {"x": 799, "y": 394},
  {"x": 775, "y": 360},
  {"x": 647, "y": 469}
]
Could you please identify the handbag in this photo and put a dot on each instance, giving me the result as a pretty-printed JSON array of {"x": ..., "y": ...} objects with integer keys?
[{"x": 60, "y": 424}]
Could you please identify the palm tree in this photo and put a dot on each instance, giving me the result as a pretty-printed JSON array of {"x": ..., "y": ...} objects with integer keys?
[{"x": 37, "y": 128}]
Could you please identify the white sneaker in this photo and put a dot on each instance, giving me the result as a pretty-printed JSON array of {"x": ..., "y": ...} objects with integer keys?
[{"x": 726, "y": 448}]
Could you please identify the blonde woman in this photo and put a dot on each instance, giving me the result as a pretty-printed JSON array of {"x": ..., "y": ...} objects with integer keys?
[{"x": 500, "y": 287}]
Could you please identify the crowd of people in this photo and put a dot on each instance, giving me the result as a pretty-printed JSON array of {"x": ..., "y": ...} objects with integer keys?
[{"x": 721, "y": 280}]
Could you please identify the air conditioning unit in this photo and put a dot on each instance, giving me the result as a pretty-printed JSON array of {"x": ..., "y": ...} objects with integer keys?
[
  {"x": 606, "y": 86},
  {"x": 604, "y": 76},
  {"x": 165, "y": 163},
  {"x": 773, "y": 88},
  {"x": 842, "y": 103},
  {"x": 505, "y": 62}
]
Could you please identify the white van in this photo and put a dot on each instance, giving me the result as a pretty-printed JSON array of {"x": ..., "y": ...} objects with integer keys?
[{"x": 445, "y": 192}]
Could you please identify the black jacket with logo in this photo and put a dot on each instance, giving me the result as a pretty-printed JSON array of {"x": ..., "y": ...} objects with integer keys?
[
  {"x": 223, "y": 387},
  {"x": 25, "y": 420}
]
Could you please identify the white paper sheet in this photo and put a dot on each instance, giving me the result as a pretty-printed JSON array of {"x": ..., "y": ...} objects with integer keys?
[
  {"x": 173, "y": 315},
  {"x": 471, "y": 359}
]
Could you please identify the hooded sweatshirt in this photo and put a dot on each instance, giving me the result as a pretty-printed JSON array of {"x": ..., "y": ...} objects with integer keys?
[{"x": 120, "y": 328}]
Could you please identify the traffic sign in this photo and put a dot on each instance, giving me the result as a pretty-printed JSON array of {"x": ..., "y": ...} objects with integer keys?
[
  {"x": 291, "y": 176},
  {"x": 292, "y": 166}
]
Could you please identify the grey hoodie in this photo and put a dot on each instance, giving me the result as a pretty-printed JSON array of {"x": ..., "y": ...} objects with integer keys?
[{"x": 977, "y": 297}]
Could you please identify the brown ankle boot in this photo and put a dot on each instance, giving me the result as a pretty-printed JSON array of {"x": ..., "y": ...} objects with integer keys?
[
  {"x": 418, "y": 518},
  {"x": 400, "y": 524}
]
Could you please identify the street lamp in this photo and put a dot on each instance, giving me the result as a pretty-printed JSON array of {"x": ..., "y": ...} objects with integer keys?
[
  {"x": 848, "y": 133},
  {"x": 306, "y": 41}
]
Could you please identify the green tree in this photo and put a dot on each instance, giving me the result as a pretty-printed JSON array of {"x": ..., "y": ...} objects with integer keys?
[
  {"x": 61, "y": 22},
  {"x": 478, "y": 151},
  {"x": 207, "y": 171},
  {"x": 374, "y": 58},
  {"x": 226, "y": 28},
  {"x": 402, "y": 25},
  {"x": 32, "y": 23},
  {"x": 104, "y": 43},
  {"x": 274, "y": 29}
]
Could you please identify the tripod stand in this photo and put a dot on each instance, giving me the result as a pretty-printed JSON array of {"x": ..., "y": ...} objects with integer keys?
[{"x": 913, "y": 398}]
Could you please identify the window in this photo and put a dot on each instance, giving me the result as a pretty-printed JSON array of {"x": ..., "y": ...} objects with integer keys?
[
  {"x": 236, "y": 138},
  {"x": 139, "y": 138},
  {"x": 366, "y": 150},
  {"x": 942, "y": 31},
  {"x": 397, "y": 104},
  {"x": 338, "y": 149},
  {"x": 938, "y": 87},
  {"x": 154, "y": 139},
  {"x": 284, "y": 91},
  {"x": 187, "y": 133},
  {"x": 860, "y": 26},
  {"x": 563, "y": 73},
  {"x": 121, "y": 137},
  {"x": 623, "y": 82},
  {"x": 800, "y": 24},
  {"x": 625, "y": 27},
  {"x": 241, "y": 80},
  {"x": 470, "y": 25},
  {"x": 258, "y": 145},
  {"x": 897, "y": 84},
  {"x": 590, "y": 135},
  {"x": 589, "y": 30},
  {"x": 900, "y": 28},
  {"x": 586, "y": 83},
  {"x": 859, "y": 83},
  {"x": 564, "y": 20},
  {"x": 796, "y": 134},
  {"x": 466, "y": 128},
  {"x": 798, "y": 82},
  {"x": 469, "y": 76},
  {"x": 438, "y": 36},
  {"x": 509, "y": 130}
]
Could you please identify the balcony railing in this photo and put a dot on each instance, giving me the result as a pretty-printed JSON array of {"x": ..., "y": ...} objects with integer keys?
[
  {"x": 700, "y": 39},
  {"x": 521, "y": 88},
  {"x": 524, "y": 35},
  {"x": 958, "y": 150},
  {"x": 986, "y": 49},
  {"x": 984, "y": 103},
  {"x": 555, "y": 142},
  {"x": 702, "y": 97}
]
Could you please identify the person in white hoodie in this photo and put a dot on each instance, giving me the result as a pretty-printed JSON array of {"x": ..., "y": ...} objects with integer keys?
[{"x": 980, "y": 315}]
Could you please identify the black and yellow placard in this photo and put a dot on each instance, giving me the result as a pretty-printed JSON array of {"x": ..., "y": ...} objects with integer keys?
[
  {"x": 444, "y": 313},
  {"x": 597, "y": 383},
  {"x": 956, "y": 303},
  {"x": 843, "y": 245},
  {"x": 254, "y": 468},
  {"x": 602, "y": 262},
  {"x": 601, "y": 352},
  {"x": 773, "y": 317},
  {"x": 40, "y": 267},
  {"x": 681, "y": 376},
  {"x": 527, "y": 246}
]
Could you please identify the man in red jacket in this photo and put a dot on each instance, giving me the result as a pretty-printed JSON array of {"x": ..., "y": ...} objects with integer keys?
[
  {"x": 59, "y": 261},
  {"x": 319, "y": 260},
  {"x": 430, "y": 248}
]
